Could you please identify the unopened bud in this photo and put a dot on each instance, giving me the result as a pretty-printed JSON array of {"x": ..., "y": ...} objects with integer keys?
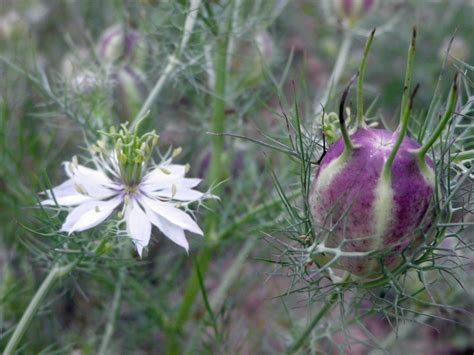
[{"x": 121, "y": 44}]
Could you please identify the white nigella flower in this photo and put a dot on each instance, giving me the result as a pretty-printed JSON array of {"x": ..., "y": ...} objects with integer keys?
[{"x": 147, "y": 195}]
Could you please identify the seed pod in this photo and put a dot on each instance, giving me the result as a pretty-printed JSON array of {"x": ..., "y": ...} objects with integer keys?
[
  {"x": 371, "y": 197},
  {"x": 362, "y": 209},
  {"x": 122, "y": 44}
]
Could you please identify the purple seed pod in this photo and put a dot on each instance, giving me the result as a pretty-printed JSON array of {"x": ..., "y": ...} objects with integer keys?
[
  {"x": 364, "y": 211},
  {"x": 129, "y": 91},
  {"x": 122, "y": 44},
  {"x": 371, "y": 197},
  {"x": 353, "y": 10}
]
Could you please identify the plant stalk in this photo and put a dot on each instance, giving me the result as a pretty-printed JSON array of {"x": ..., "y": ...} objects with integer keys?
[
  {"x": 172, "y": 61},
  {"x": 360, "y": 81},
  {"x": 54, "y": 275},
  {"x": 322, "y": 312},
  {"x": 110, "y": 327},
  {"x": 216, "y": 174},
  {"x": 341, "y": 60}
]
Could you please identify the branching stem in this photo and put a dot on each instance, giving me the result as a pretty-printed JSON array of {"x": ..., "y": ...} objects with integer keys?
[
  {"x": 172, "y": 61},
  {"x": 56, "y": 273},
  {"x": 109, "y": 328}
]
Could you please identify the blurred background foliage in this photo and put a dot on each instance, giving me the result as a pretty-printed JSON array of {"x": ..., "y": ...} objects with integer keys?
[{"x": 56, "y": 91}]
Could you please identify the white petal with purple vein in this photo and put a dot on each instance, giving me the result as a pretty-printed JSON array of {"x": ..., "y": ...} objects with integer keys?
[
  {"x": 170, "y": 230},
  {"x": 89, "y": 214},
  {"x": 138, "y": 225},
  {"x": 172, "y": 214}
]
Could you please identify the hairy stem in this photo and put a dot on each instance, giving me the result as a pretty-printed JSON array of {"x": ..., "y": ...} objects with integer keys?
[
  {"x": 172, "y": 61},
  {"x": 360, "y": 81},
  {"x": 109, "y": 329},
  {"x": 54, "y": 275}
]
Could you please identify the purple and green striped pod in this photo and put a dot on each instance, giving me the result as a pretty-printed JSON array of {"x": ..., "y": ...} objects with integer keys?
[
  {"x": 361, "y": 209},
  {"x": 371, "y": 197}
]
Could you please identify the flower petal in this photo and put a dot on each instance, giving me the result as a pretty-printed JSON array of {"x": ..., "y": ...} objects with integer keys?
[
  {"x": 71, "y": 193},
  {"x": 88, "y": 177},
  {"x": 163, "y": 176},
  {"x": 71, "y": 200},
  {"x": 89, "y": 214},
  {"x": 181, "y": 194},
  {"x": 170, "y": 230},
  {"x": 172, "y": 214},
  {"x": 138, "y": 225},
  {"x": 150, "y": 186}
]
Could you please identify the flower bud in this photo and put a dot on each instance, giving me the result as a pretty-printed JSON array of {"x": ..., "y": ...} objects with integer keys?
[{"x": 122, "y": 44}]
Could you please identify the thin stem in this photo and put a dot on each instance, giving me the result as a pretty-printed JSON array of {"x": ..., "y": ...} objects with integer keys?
[
  {"x": 109, "y": 329},
  {"x": 229, "y": 278},
  {"x": 215, "y": 175},
  {"x": 451, "y": 106},
  {"x": 218, "y": 111},
  {"x": 322, "y": 312},
  {"x": 463, "y": 156},
  {"x": 54, "y": 275},
  {"x": 341, "y": 60},
  {"x": 402, "y": 131},
  {"x": 172, "y": 61},
  {"x": 360, "y": 81},
  {"x": 408, "y": 76},
  {"x": 348, "y": 146}
]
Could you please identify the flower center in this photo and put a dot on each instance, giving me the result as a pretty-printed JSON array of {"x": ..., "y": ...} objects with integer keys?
[{"x": 130, "y": 189}]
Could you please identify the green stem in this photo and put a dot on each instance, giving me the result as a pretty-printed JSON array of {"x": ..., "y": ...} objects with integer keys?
[
  {"x": 218, "y": 112},
  {"x": 463, "y": 156},
  {"x": 322, "y": 312},
  {"x": 109, "y": 329},
  {"x": 406, "y": 107},
  {"x": 341, "y": 60},
  {"x": 451, "y": 106},
  {"x": 172, "y": 61},
  {"x": 348, "y": 146},
  {"x": 360, "y": 81},
  {"x": 408, "y": 76},
  {"x": 216, "y": 174},
  {"x": 54, "y": 275}
]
